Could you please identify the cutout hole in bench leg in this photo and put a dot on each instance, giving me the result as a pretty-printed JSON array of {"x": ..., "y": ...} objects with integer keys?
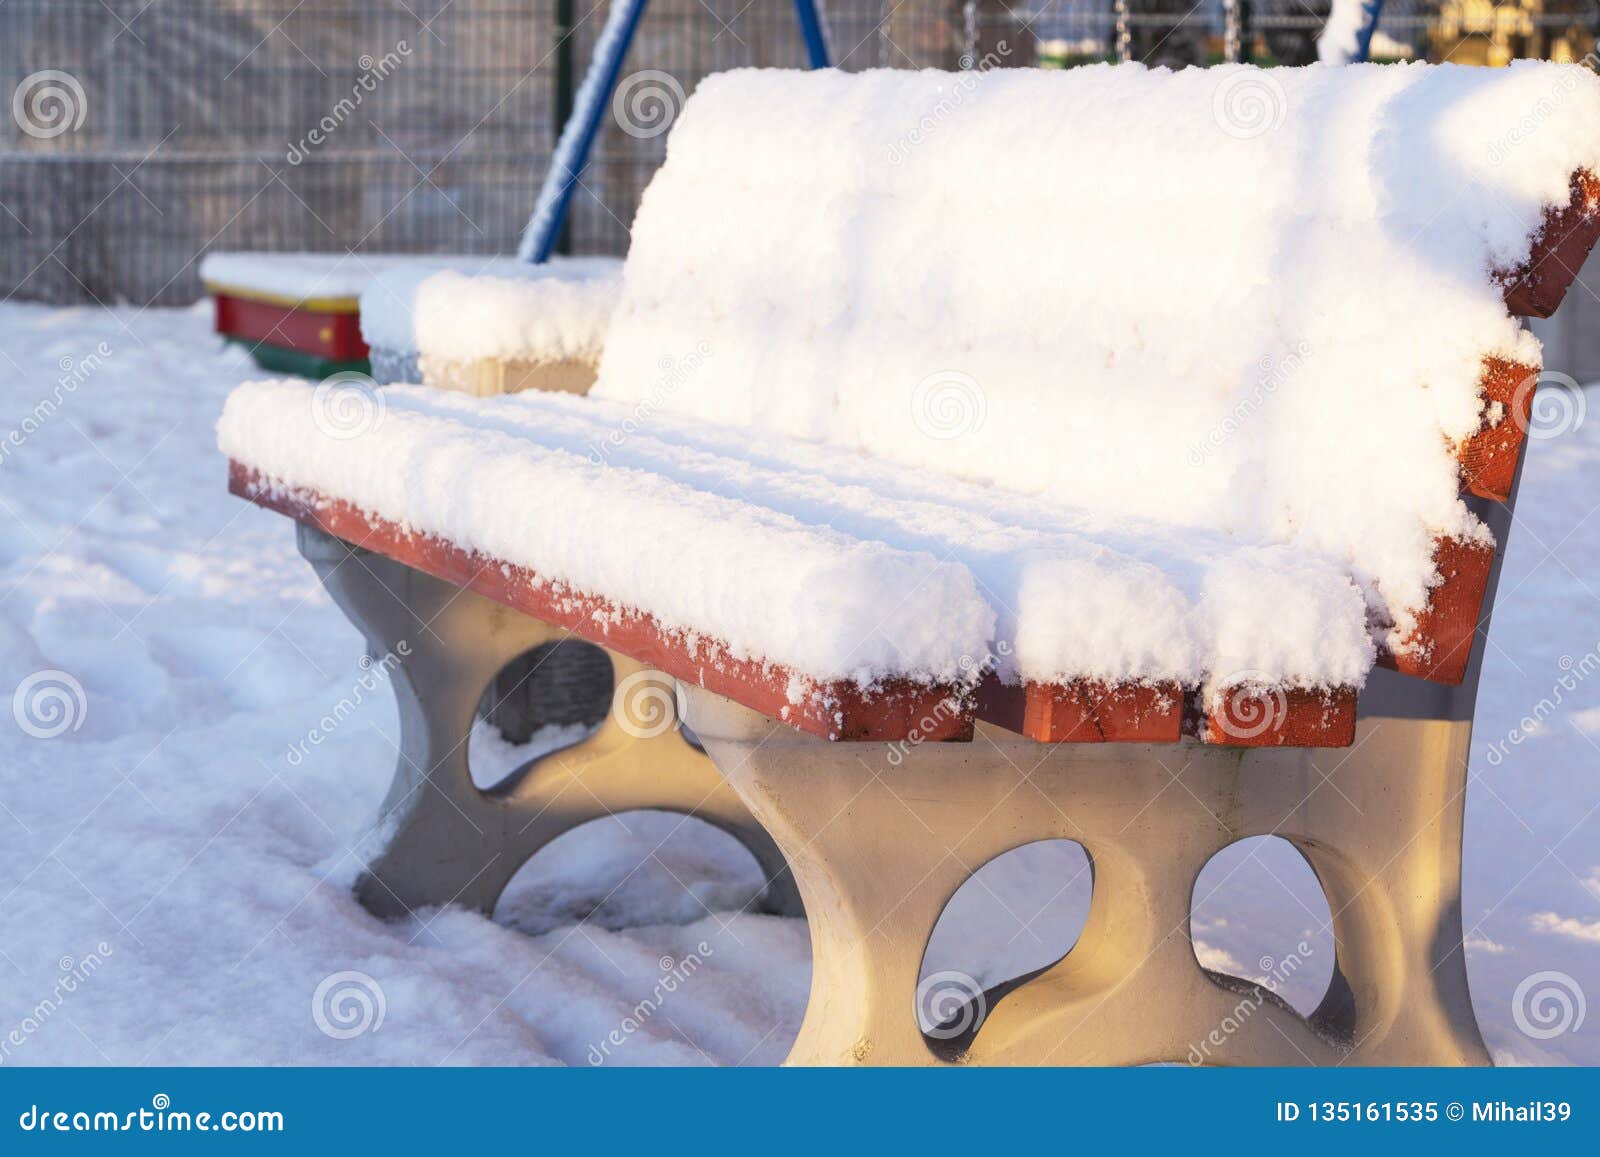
[
  {"x": 1259, "y": 915},
  {"x": 1015, "y": 916},
  {"x": 544, "y": 700},
  {"x": 631, "y": 869}
]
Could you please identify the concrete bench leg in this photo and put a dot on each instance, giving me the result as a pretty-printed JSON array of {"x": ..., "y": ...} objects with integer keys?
[
  {"x": 880, "y": 838},
  {"x": 441, "y": 839}
]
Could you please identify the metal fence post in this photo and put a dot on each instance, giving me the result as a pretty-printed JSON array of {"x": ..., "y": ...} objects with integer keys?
[{"x": 566, "y": 86}]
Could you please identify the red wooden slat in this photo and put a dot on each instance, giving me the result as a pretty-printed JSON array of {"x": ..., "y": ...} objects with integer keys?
[
  {"x": 1535, "y": 288},
  {"x": 1090, "y": 712},
  {"x": 336, "y": 336},
  {"x": 1288, "y": 717},
  {"x": 898, "y": 710},
  {"x": 1441, "y": 645},
  {"x": 1085, "y": 711},
  {"x": 1489, "y": 457}
]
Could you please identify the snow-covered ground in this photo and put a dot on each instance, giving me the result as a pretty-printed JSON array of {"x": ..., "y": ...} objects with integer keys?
[{"x": 187, "y": 878}]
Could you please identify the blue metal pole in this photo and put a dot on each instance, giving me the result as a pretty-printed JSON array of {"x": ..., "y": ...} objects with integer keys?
[
  {"x": 811, "y": 30},
  {"x": 577, "y": 138},
  {"x": 1371, "y": 10}
]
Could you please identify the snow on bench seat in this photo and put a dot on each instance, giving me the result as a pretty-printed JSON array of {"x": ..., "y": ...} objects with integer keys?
[
  {"x": 809, "y": 618},
  {"x": 1062, "y": 612}
]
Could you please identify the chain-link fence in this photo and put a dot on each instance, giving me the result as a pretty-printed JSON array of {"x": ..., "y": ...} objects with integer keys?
[{"x": 144, "y": 133}]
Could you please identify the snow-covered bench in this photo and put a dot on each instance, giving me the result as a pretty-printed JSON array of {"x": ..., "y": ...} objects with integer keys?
[
  {"x": 485, "y": 325},
  {"x": 1051, "y": 409},
  {"x": 496, "y": 327}
]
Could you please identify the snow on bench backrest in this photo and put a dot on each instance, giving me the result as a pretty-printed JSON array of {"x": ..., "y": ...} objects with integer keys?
[{"x": 1257, "y": 302}]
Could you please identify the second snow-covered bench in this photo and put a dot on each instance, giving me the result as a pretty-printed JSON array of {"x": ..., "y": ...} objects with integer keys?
[
  {"x": 1075, "y": 407},
  {"x": 495, "y": 327}
]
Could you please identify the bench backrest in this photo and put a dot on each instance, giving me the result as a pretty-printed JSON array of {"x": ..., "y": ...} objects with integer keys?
[{"x": 1268, "y": 303}]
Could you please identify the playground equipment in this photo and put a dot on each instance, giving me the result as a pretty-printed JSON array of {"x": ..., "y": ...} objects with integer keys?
[
  {"x": 589, "y": 109},
  {"x": 297, "y": 313}
]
